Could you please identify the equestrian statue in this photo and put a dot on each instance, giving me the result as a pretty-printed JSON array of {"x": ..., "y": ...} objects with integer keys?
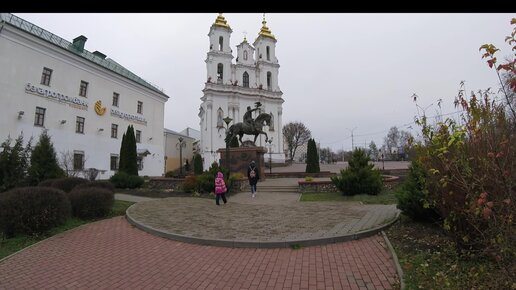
[{"x": 249, "y": 126}]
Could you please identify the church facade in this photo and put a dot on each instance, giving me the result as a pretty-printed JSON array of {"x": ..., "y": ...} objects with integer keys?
[{"x": 231, "y": 88}]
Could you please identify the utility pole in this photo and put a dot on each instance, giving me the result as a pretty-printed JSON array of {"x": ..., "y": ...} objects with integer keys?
[{"x": 352, "y": 139}]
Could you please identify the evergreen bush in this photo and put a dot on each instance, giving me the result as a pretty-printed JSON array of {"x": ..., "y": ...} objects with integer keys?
[
  {"x": 92, "y": 202},
  {"x": 32, "y": 210},
  {"x": 360, "y": 177}
]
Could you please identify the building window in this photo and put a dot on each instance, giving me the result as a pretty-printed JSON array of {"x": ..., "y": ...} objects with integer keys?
[
  {"x": 78, "y": 160},
  {"x": 271, "y": 126},
  {"x": 45, "y": 77},
  {"x": 83, "y": 89},
  {"x": 245, "y": 80},
  {"x": 39, "y": 118},
  {"x": 114, "y": 162},
  {"x": 220, "y": 118},
  {"x": 139, "y": 107},
  {"x": 139, "y": 162},
  {"x": 116, "y": 96},
  {"x": 269, "y": 81},
  {"x": 79, "y": 125},
  {"x": 245, "y": 54},
  {"x": 220, "y": 73},
  {"x": 221, "y": 43},
  {"x": 114, "y": 130},
  {"x": 138, "y": 136},
  {"x": 268, "y": 53}
]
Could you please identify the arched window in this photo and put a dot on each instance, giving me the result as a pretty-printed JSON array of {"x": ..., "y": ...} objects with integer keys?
[
  {"x": 271, "y": 126},
  {"x": 221, "y": 43},
  {"x": 220, "y": 119},
  {"x": 268, "y": 53},
  {"x": 220, "y": 73},
  {"x": 245, "y": 54},
  {"x": 245, "y": 80},
  {"x": 269, "y": 80}
]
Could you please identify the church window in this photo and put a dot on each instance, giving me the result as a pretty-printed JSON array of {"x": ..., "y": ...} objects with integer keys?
[
  {"x": 221, "y": 41},
  {"x": 271, "y": 126},
  {"x": 245, "y": 80},
  {"x": 220, "y": 120},
  {"x": 269, "y": 81},
  {"x": 220, "y": 72},
  {"x": 245, "y": 54},
  {"x": 268, "y": 53}
]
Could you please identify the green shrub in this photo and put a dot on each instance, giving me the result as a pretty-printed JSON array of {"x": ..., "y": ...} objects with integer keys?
[
  {"x": 172, "y": 173},
  {"x": 66, "y": 184},
  {"x": 43, "y": 161},
  {"x": 47, "y": 182},
  {"x": 312, "y": 158},
  {"x": 105, "y": 184},
  {"x": 93, "y": 202},
  {"x": 309, "y": 178},
  {"x": 359, "y": 177},
  {"x": 190, "y": 184},
  {"x": 32, "y": 210},
  {"x": 197, "y": 164},
  {"x": 124, "y": 180},
  {"x": 413, "y": 196}
]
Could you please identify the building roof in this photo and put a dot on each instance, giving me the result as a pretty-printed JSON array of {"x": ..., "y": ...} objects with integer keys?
[
  {"x": 66, "y": 45},
  {"x": 176, "y": 133}
]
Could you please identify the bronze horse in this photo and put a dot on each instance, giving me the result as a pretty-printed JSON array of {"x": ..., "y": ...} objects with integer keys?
[{"x": 241, "y": 128}]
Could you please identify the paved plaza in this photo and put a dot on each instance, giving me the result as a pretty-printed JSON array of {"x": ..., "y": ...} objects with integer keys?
[{"x": 239, "y": 247}]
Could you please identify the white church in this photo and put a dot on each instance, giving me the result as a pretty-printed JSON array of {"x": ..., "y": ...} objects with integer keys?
[{"x": 231, "y": 87}]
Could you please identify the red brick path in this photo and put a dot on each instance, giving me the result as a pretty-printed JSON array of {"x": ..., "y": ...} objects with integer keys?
[{"x": 111, "y": 254}]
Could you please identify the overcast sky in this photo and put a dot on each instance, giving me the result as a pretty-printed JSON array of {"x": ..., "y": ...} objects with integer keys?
[{"x": 338, "y": 71}]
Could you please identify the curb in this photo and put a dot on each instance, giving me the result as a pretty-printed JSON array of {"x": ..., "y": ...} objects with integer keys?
[
  {"x": 399, "y": 271},
  {"x": 258, "y": 244}
]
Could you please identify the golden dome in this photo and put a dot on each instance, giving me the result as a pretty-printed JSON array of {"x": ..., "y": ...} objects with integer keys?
[
  {"x": 221, "y": 21},
  {"x": 265, "y": 31}
]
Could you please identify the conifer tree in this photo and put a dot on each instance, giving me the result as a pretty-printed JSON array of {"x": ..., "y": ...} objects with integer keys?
[{"x": 43, "y": 162}]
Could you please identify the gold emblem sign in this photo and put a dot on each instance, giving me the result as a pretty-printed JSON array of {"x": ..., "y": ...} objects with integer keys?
[{"x": 99, "y": 109}]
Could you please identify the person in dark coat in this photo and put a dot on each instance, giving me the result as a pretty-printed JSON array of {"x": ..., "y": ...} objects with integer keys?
[{"x": 253, "y": 175}]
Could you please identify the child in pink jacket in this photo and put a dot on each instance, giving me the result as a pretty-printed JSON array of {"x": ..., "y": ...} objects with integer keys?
[{"x": 220, "y": 188}]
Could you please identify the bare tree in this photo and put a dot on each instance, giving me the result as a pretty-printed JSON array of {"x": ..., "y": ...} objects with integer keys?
[
  {"x": 396, "y": 140},
  {"x": 295, "y": 134},
  {"x": 66, "y": 163}
]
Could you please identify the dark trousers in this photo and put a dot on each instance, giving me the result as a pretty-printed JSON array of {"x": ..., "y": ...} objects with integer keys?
[
  {"x": 253, "y": 188},
  {"x": 223, "y": 195}
]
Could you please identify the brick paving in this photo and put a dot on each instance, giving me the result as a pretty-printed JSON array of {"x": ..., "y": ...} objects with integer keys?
[{"x": 110, "y": 254}]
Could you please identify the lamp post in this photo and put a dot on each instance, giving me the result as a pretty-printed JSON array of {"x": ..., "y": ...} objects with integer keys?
[
  {"x": 270, "y": 154},
  {"x": 383, "y": 160},
  {"x": 181, "y": 145},
  {"x": 227, "y": 120}
]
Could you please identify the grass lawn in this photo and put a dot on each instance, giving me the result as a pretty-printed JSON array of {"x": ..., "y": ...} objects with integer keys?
[
  {"x": 385, "y": 197},
  {"x": 12, "y": 245},
  {"x": 429, "y": 261}
]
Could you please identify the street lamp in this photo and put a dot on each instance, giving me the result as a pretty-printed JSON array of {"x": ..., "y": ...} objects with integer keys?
[
  {"x": 181, "y": 145},
  {"x": 270, "y": 154},
  {"x": 227, "y": 120},
  {"x": 383, "y": 160}
]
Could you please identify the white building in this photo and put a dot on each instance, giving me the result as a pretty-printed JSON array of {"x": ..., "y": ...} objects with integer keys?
[
  {"x": 84, "y": 100},
  {"x": 230, "y": 88}
]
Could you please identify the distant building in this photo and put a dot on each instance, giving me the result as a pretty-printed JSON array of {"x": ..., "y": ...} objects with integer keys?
[
  {"x": 84, "y": 100},
  {"x": 173, "y": 153},
  {"x": 190, "y": 132},
  {"x": 231, "y": 88}
]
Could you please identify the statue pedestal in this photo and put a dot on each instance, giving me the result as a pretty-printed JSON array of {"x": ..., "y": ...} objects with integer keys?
[{"x": 239, "y": 159}]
